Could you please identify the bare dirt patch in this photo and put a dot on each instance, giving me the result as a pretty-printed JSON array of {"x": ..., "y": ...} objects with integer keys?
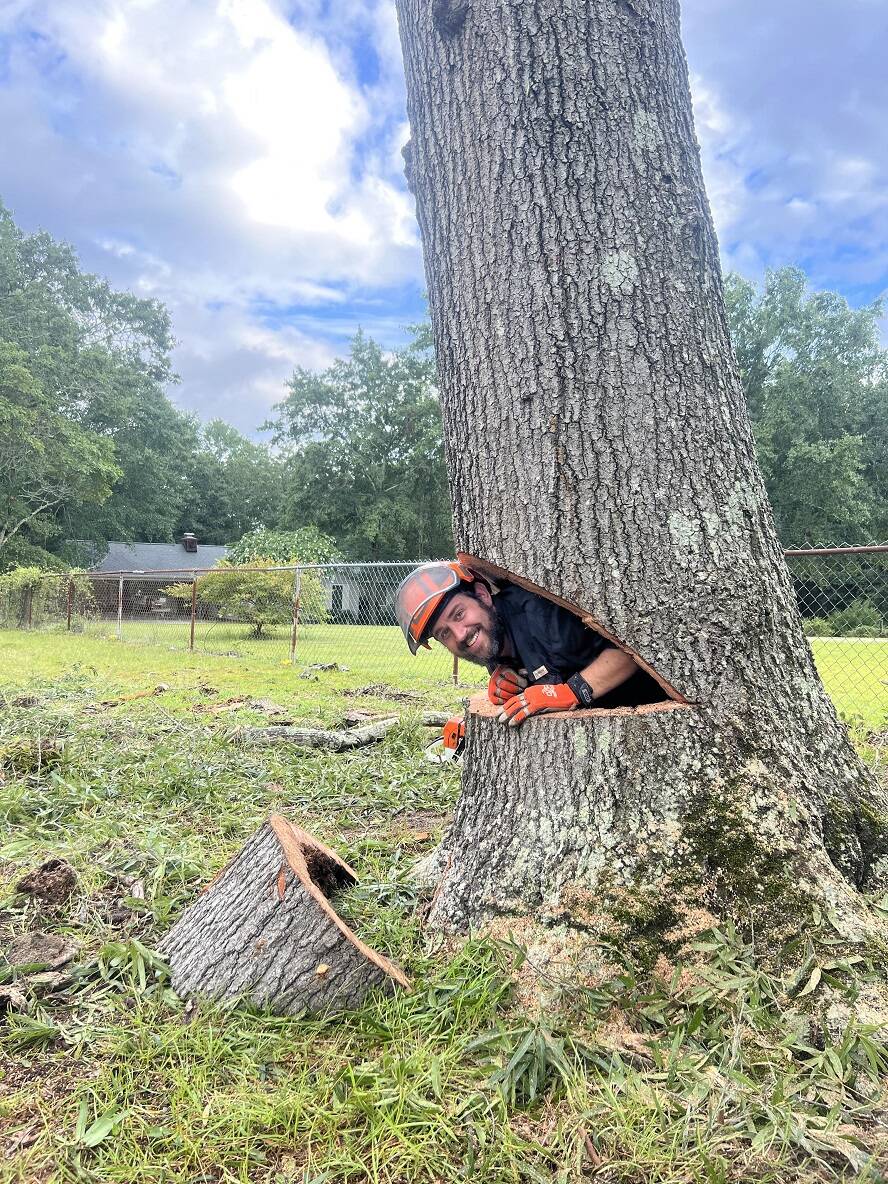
[{"x": 52, "y": 882}]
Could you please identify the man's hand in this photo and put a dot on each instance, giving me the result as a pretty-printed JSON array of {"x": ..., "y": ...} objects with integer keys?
[
  {"x": 504, "y": 684},
  {"x": 536, "y": 700}
]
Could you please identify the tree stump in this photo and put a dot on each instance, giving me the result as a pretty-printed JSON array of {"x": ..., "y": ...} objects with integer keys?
[{"x": 264, "y": 930}]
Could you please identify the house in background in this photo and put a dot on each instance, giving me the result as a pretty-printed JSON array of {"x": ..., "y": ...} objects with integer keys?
[
  {"x": 361, "y": 594},
  {"x": 182, "y": 556},
  {"x": 146, "y": 568}
]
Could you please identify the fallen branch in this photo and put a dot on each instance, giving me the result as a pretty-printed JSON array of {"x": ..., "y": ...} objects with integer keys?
[
  {"x": 264, "y": 930},
  {"x": 436, "y": 719},
  {"x": 317, "y": 737},
  {"x": 338, "y": 740}
]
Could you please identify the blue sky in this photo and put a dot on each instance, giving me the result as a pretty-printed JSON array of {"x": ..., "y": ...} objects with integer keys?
[{"x": 240, "y": 161}]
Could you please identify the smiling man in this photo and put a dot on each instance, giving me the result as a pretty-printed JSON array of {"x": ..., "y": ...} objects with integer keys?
[{"x": 540, "y": 656}]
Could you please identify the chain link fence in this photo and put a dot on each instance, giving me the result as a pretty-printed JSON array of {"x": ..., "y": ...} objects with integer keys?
[
  {"x": 343, "y": 615},
  {"x": 843, "y": 598},
  {"x": 333, "y": 615}
]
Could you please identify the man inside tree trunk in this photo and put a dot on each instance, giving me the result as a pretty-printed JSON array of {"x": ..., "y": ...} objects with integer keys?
[{"x": 540, "y": 656}]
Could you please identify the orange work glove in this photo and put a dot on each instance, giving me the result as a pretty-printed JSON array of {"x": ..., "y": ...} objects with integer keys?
[
  {"x": 504, "y": 683},
  {"x": 537, "y": 699}
]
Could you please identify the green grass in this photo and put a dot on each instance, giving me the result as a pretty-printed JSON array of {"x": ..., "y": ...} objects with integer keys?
[
  {"x": 374, "y": 652},
  {"x": 712, "y": 1075},
  {"x": 855, "y": 674},
  {"x": 238, "y": 664}
]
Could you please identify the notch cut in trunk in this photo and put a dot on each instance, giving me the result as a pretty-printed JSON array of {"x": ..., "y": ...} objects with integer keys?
[{"x": 672, "y": 698}]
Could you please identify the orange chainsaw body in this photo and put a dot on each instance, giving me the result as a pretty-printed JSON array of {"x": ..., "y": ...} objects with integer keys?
[{"x": 454, "y": 733}]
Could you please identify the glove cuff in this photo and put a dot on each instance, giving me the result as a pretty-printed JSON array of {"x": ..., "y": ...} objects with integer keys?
[{"x": 583, "y": 691}]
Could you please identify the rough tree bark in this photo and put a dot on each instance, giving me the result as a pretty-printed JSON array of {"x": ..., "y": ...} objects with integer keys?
[
  {"x": 265, "y": 930},
  {"x": 598, "y": 447}
]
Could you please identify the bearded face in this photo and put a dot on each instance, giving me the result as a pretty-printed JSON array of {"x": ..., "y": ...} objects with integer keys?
[{"x": 470, "y": 629}]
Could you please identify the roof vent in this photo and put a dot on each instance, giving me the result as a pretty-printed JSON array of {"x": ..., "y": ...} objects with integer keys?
[{"x": 189, "y": 542}]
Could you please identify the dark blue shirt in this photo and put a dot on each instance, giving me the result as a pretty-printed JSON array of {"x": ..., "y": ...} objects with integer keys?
[{"x": 552, "y": 644}]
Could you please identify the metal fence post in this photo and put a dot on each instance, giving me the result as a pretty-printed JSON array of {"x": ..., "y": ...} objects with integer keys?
[
  {"x": 193, "y": 609},
  {"x": 455, "y": 670},
  {"x": 70, "y": 601},
  {"x": 29, "y": 615},
  {"x": 297, "y": 588},
  {"x": 120, "y": 608}
]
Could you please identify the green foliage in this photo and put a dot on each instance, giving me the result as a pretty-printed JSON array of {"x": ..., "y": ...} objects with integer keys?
[
  {"x": 306, "y": 545},
  {"x": 364, "y": 453},
  {"x": 47, "y": 460},
  {"x": 258, "y": 598},
  {"x": 91, "y": 364},
  {"x": 860, "y": 619},
  {"x": 33, "y": 594},
  {"x": 816, "y": 383},
  {"x": 234, "y": 484},
  {"x": 818, "y": 627}
]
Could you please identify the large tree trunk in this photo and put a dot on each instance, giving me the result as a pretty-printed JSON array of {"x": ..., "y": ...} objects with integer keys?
[{"x": 599, "y": 448}]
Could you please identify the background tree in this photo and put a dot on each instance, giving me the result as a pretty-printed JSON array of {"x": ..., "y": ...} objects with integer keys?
[
  {"x": 816, "y": 382},
  {"x": 265, "y": 598},
  {"x": 46, "y": 460},
  {"x": 259, "y": 599},
  {"x": 598, "y": 448},
  {"x": 101, "y": 360},
  {"x": 364, "y": 456},
  {"x": 306, "y": 545},
  {"x": 234, "y": 485}
]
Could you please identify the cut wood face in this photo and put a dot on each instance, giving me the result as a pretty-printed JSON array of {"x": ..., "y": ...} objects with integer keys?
[
  {"x": 672, "y": 698},
  {"x": 264, "y": 930}
]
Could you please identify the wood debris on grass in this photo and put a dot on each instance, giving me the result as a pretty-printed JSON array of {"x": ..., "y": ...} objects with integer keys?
[
  {"x": 244, "y": 703},
  {"x": 28, "y": 756},
  {"x": 336, "y": 741},
  {"x": 160, "y": 689},
  {"x": 37, "y": 948},
  {"x": 12, "y": 999},
  {"x": 382, "y": 690},
  {"x": 235, "y": 703},
  {"x": 20, "y": 701}
]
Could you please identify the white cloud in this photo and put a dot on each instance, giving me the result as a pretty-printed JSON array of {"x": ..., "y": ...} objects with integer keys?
[
  {"x": 240, "y": 160},
  {"x": 219, "y": 158},
  {"x": 719, "y": 135},
  {"x": 303, "y": 119},
  {"x": 789, "y": 100}
]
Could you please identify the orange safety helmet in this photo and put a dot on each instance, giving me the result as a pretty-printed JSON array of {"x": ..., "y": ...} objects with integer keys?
[{"x": 421, "y": 594}]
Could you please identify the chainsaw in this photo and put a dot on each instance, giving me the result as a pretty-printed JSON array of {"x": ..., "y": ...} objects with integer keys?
[{"x": 449, "y": 745}]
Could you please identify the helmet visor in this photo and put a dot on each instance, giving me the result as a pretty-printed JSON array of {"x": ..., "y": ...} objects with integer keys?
[{"x": 419, "y": 596}]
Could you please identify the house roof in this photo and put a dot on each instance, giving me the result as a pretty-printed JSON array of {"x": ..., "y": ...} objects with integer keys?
[{"x": 146, "y": 557}]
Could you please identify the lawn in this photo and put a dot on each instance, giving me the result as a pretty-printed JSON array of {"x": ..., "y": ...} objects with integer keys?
[
  {"x": 106, "y": 1076},
  {"x": 854, "y": 670},
  {"x": 374, "y": 653},
  {"x": 855, "y": 673}
]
